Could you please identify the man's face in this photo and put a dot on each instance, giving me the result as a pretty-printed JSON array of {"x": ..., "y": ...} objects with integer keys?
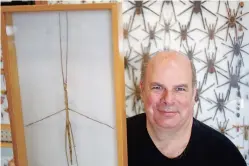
[{"x": 167, "y": 92}]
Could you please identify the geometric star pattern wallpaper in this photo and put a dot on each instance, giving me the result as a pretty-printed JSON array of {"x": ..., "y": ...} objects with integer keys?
[{"x": 213, "y": 34}]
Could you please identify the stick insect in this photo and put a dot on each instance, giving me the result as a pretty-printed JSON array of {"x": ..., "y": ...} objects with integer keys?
[
  {"x": 236, "y": 47},
  {"x": 212, "y": 65},
  {"x": 232, "y": 20},
  {"x": 197, "y": 7},
  {"x": 234, "y": 78},
  {"x": 69, "y": 138},
  {"x": 211, "y": 32},
  {"x": 220, "y": 105},
  {"x": 139, "y": 9}
]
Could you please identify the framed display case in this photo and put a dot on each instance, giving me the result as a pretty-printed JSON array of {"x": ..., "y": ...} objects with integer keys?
[{"x": 64, "y": 74}]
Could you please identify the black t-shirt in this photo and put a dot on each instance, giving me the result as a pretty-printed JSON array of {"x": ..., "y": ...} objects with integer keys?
[{"x": 207, "y": 147}]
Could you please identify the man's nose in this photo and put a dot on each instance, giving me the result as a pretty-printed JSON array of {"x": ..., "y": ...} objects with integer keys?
[{"x": 168, "y": 96}]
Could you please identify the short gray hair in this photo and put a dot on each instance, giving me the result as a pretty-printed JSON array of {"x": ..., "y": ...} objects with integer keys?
[{"x": 193, "y": 69}]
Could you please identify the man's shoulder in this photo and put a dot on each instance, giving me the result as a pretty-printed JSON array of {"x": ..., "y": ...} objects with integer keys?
[
  {"x": 216, "y": 143},
  {"x": 209, "y": 134},
  {"x": 136, "y": 122}
]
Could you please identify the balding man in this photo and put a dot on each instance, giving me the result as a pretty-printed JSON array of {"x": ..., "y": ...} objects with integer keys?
[{"x": 167, "y": 134}]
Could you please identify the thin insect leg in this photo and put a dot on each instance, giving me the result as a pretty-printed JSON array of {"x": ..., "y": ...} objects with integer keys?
[
  {"x": 76, "y": 157},
  {"x": 229, "y": 109},
  {"x": 66, "y": 146},
  {"x": 203, "y": 38},
  {"x": 216, "y": 111},
  {"x": 134, "y": 28},
  {"x": 222, "y": 84},
  {"x": 218, "y": 7},
  {"x": 208, "y": 10},
  {"x": 211, "y": 108},
  {"x": 144, "y": 19},
  {"x": 201, "y": 69},
  {"x": 92, "y": 119},
  {"x": 151, "y": 10},
  {"x": 160, "y": 16},
  {"x": 128, "y": 9},
  {"x": 44, "y": 118},
  {"x": 191, "y": 19},
  {"x": 242, "y": 15},
  {"x": 216, "y": 77},
  {"x": 228, "y": 93},
  {"x": 241, "y": 58},
  {"x": 185, "y": 10},
  {"x": 220, "y": 68},
  {"x": 202, "y": 19},
  {"x": 219, "y": 37},
  {"x": 173, "y": 9},
  {"x": 243, "y": 83},
  {"x": 244, "y": 46},
  {"x": 207, "y": 88},
  {"x": 133, "y": 17}
]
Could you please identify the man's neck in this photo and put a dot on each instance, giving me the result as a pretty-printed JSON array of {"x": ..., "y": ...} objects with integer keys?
[{"x": 171, "y": 142}]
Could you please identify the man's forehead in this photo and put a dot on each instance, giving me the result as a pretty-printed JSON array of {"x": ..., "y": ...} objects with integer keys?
[{"x": 168, "y": 56}]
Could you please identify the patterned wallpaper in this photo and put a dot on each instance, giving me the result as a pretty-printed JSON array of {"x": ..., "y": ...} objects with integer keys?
[{"x": 214, "y": 35}]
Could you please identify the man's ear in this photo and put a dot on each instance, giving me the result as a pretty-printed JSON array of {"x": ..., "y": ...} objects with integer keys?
[
  {"x": 141, "y": 85},
  {"x": 194, "y": 95}
]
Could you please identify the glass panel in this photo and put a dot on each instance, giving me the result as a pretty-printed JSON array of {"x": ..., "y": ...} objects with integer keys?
[{"x": 82, "y": 42}]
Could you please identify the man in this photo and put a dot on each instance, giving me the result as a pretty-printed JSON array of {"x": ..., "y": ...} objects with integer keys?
[{"x": 167, "y": 134}]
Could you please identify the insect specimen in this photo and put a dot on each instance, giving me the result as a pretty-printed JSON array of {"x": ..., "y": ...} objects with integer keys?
[
  {"x": 197, "y": 7},
  {"x": 190, "y": 52},
  {"x": 70, "y": 147},
  {"x": 184, "y": 33},
  {"x": 212, "y": 65},
  {"x": 232, "y": 20},
  {"x": 167, "y": 3},
  {"x": 245, "y": 128},
  {"x": 222, "y": 127},
  {"x": 236, "y": 47},
  {"x": 152, "y": 33},
  {"x": 127, "y": 63},
  {"x": 167, "y": 27},
  {"x": 127, "y": 31},
  {"x": 220, "y": 104},
  {"x": 234, "y": 78},
  {"x": 139, "y": 7},
  {"x": 211, "y": 32},
  {"x": 199, "y": 96},
  {"x": 135, "y": 94}
]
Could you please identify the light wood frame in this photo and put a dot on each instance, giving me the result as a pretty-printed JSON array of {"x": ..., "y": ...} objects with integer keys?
[{"x": 12, "y": 81}]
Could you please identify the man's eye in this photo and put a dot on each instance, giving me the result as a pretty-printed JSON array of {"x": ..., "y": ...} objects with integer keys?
[
  {"x": 156, "y": 87},
  {"x": 180, "y": 89}
]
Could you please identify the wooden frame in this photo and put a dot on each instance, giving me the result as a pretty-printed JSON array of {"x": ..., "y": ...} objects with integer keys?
[{"x": 12, "y": 81}]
